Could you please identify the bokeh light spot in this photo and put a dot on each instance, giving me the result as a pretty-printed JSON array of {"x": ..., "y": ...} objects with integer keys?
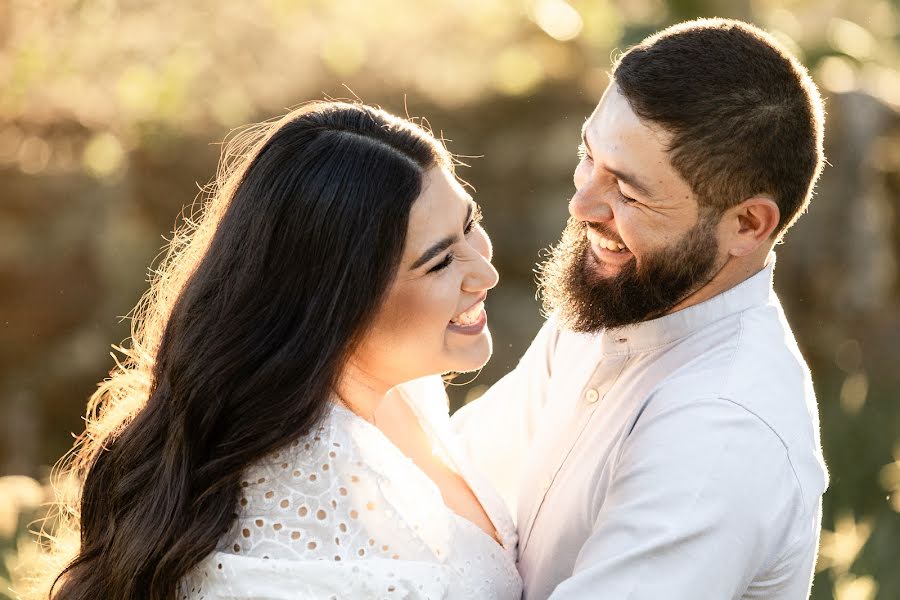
[
  {"x": 343, "y": 54},
  {"x": 517, "y": 72},
  {"x": 853, "y": 393},
  {"x": 34, "y": 154},
  {"x": 103, "y": 155},
  {"x": 557, "y": 18},
  {"x": 851, "y": 39},
  {"x": 850, "y": 587},
  {"x": 837, "y": 74}
]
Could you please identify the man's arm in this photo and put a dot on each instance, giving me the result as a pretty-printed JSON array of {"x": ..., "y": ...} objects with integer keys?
[
  {"x": 495, "y": 429},
  {"x": 702, "y": 498}
]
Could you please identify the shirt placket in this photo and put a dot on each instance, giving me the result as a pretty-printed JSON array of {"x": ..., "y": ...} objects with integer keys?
[{"x": 590, "y": 397}]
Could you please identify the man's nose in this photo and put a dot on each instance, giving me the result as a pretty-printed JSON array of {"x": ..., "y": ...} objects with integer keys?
[{"x": 588, "y": 204}]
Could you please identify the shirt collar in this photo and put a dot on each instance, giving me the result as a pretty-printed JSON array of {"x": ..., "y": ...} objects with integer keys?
[{"x": 642, "y": 337}]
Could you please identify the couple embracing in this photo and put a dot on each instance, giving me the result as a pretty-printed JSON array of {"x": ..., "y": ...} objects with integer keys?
[{"x": 280, "y": 429}]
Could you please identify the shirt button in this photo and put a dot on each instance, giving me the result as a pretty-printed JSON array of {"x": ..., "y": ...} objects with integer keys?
[{"x": 592, "y": 395}]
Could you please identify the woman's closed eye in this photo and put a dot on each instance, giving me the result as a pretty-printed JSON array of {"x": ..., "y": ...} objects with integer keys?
[
  {"x": 474, "y": 220},
  {"x": 443, "y": 264}
]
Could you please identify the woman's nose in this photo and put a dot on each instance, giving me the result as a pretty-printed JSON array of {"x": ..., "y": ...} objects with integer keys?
[
  {"x": 490, "y": 276},
  {"x": 483, "y": 276}
]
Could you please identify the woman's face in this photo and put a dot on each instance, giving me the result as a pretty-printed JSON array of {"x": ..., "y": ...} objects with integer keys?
[{"x": 433, "y": 320}]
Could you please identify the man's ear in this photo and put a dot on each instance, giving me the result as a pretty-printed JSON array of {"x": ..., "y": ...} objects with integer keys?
[{"x": 750, "y": 224}]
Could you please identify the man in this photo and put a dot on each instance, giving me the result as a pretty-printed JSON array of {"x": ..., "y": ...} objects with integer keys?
[{"x": 659, "y": 439}]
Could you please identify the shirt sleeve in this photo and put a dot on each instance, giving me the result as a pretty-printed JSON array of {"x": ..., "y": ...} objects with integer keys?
[
  {"x": 702, "y": 498},
  {"x": 494, "y": 430}
]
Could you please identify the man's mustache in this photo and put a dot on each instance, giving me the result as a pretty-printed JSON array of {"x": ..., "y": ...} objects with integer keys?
[{"x": 603, "y": 230}]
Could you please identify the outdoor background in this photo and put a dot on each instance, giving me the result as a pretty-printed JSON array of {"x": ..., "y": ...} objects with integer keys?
[{"x": 112, "y": 113}]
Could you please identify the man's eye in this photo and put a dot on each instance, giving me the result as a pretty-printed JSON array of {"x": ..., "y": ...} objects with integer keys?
[
  {"x": 443, "y": 264},
  {"x": 626, "y": 199},
  {"x": 583, "y": 153}
]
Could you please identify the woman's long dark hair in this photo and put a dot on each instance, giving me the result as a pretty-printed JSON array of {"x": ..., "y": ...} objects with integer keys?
[{"x": 241, "y": 339}]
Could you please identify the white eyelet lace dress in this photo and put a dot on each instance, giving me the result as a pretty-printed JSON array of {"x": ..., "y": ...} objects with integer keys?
[{"x": 342, "y": 513}]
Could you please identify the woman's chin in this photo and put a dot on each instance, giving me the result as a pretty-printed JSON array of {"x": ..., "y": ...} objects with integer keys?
[{"x": 473, "y": 356}]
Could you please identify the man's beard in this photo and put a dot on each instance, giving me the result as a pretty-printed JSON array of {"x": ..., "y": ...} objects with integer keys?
[{"x": 588, "y": 302}]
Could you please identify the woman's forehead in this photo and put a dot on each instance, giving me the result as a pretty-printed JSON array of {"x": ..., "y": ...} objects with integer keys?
[{"x": 442, "y": 198}]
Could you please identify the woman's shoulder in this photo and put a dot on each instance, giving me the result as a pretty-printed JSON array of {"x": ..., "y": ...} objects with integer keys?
[
  {"x": 335, "y": 494},
  {"x": 293, "y": 498},
  {"x": 307, "y": 465}
]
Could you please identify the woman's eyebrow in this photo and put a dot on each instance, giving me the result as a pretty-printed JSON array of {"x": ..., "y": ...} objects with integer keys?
[{"x": 443, "y": 244}]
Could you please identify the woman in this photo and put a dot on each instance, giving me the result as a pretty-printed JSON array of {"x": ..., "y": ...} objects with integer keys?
[{"x": 256, "y": 444}]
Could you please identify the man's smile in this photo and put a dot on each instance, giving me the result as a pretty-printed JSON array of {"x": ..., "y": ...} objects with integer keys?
[{"x": 607, "y": 250}]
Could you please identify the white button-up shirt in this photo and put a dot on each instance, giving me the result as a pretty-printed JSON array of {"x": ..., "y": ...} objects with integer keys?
[{"x": 678, "y": 458}]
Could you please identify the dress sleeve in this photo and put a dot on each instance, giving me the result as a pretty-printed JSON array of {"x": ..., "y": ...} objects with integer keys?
[
  {"x": 494, "y": 430},
  {"x": 702, "y": 498}
]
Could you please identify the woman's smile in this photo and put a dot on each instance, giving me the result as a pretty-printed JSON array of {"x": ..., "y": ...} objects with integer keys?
[{"x": 471, "y": 321}]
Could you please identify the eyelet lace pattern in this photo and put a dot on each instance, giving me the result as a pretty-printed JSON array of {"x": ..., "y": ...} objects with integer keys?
[{"x": 342, "y": 513}]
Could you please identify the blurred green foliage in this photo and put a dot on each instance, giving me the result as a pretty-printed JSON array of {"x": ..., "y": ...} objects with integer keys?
[{"x": 111, "y": 113}]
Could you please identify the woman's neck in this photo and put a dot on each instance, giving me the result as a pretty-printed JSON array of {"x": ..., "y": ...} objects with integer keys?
[{"x": 362, "y": 392}]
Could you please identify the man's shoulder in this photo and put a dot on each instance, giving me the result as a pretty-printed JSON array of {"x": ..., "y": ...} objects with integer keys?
[
  {"x": 768, "y": 376},
  {"x": 756, "y": 370},
  {"x": 749, "y": 358}
]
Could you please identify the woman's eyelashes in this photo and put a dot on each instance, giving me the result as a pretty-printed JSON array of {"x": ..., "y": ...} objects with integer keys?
[
  {"x": 473, "y": 221},
  {"x": 443, "y": 264}
]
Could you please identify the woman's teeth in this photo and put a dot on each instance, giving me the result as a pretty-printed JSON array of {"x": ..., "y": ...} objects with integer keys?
[
  {"x": 611, "y": 245},
  {"x": 470, "y": 317}
]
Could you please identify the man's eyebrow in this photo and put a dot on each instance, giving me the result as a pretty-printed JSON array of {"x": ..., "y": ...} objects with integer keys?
[
  {"x": 628, "y": 178},
  {"x": 443, "y": 244},
  {"x": 632, "y": 181}
]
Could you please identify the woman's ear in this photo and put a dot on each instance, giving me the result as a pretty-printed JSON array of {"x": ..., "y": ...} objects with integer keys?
[{"x": 751, "y": 224}]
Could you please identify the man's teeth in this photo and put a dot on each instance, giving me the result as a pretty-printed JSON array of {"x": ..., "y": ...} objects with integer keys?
[
  {"x": 611, "y": 245},
  {"x": 470, "y": 317}
]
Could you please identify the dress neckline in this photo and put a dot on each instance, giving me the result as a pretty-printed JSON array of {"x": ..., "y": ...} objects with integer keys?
[{"x": 498, "y": 538}]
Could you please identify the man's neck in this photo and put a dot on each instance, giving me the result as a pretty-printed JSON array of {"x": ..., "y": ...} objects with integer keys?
[{"x": 733, "y": 272}]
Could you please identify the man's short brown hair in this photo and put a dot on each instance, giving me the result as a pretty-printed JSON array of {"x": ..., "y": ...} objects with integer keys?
[{"x": 744, "y": 115}]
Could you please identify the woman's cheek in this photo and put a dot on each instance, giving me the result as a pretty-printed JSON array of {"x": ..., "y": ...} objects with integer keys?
[
  {"x": 423, "y": 308},
  {"x": 444, "y": 299}
]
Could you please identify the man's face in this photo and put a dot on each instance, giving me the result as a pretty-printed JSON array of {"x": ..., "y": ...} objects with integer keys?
[{"x": 637, "y": 243}]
